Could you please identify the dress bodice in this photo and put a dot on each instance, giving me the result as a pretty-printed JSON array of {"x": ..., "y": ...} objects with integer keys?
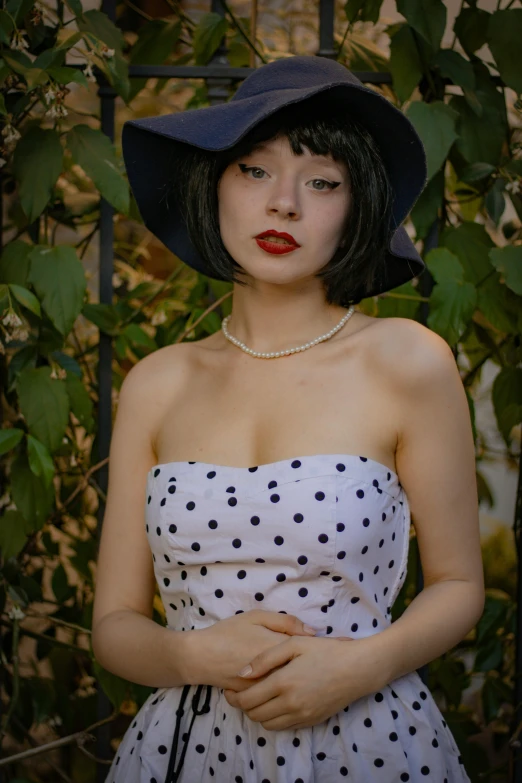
[{"x": 324, "y": 537}]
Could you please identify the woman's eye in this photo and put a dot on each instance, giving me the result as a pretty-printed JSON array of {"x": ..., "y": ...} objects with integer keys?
[
  {"x": 244, "y": 169},
  {"x": 329, "y": 185}
]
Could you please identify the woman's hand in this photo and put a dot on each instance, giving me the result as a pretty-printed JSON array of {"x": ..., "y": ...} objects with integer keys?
[
  {"x": 320, "y": 678},
  {"x": 217, "y": 653}
]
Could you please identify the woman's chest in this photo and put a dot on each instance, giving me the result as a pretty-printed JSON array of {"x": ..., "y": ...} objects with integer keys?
[{"x": 259, "y": 411}]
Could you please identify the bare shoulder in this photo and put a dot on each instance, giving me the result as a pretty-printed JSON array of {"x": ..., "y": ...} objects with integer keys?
[
  {"x": 411, "y": 353},
  {"x": 156, "y": 373}
]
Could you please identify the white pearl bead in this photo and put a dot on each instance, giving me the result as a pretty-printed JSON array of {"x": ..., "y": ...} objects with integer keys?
[{"x": 290, "y": 351}]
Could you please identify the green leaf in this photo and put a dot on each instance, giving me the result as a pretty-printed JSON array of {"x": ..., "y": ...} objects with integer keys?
[
  {"x": 435, "y": 124},
  {"x": 30, "y": 494},
  {"x": 451, "y": 677},
  {"x": 427, "y": 17},
  {"x": 44, "y": 404},
  {"x": 508, "y": 261},
  {"x": 363, "y": 10},
  {"x": 452, "y": 301},
  {"x": 18, "y": 61},
  {"x": 135, "y": 334},
  {"x": 68, "y": 363},
  {"x": 471, "y": 28},
  {"x": 495, "y": 202},
  {"x": 476, "y": 171},
  {"x": 26, "y": 298},
  {"x": 426, "y": 208},
  {"x": 80, "y": 402},
  {"x": 455, "y": 67},
  {"x": 99, "y": 24},
  {"x": 60, "y": 585},
  {"x": 507, "y": 399},
  {"x": 499, "y": 305},
  {"x": 59, "y": 280},
  {"x": 116, "y": 688},
  {"x": 9, "y": 439},
  {"x": 157, "y": 40},
  {"x": 95, "y": 153},
  {"x": 6, "y": 28},
  {"x": 210, "y": 30},
  {"x": 504, "y": 36},
  {"x": 116, "y": 70},
  {"x": 13, "y": 533},
  {"x": 493, "y": 617},
  {"x": 471, "y": 243},
  {"x": 42, "y": 692},
  {"x": 25, "y": 357},
  {"x": 14, "y": 262},
  {"x": 85, "y": 554},
  {"x": 121, "y": 346},
  {"x": 40, "y": 461},
  {"x": 489, "y": 656},
  {"x": 494, "y": 693},
  {"x": 18, "y": 9},
  {"x": 75, "y": 6},
  {"x": 104, "y": 316},
  {"x": 65, "y": 75},
  {"x": 405, "y": 63},
  {"x": 481, "y": 138}
]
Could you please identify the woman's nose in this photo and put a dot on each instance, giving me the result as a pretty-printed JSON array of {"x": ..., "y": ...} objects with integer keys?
[{"x": 284, "y": 200}]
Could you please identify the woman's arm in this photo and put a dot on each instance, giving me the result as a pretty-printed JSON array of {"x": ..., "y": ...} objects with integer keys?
[
  {"x": 125, "y": 639},
  {"x": 436, "y": 464}
]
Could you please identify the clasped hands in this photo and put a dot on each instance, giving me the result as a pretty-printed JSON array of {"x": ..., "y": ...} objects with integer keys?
[{"x": 303, "y": 681}]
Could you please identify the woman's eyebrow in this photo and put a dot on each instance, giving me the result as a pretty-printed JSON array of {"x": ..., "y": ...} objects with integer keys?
[{"x": 264, "y": 147}]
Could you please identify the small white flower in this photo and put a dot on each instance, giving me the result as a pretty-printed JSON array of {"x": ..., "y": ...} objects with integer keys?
[
  {"x": 12, "y": 319},
  {"x": 53, "y": 375},
  {"x": 2, "y": 162},
  {"x": 20, "y": 334},
  {"x": 62, "y": 374},
  {"x": 73, "y": 461},
  {"x": 159, "y": 317},
  {"x": 10, "y": 133},
  {"x": 50, "y": 93},
  {"x": 514, "y": 186},
  {"x": 89, "y": 74},
  {"x": 116, "y": 280},
  {"x": 64, "y": 440},
  {"x": 18, "y": 41},
  {"x": 108, "y": 53},
  {"x": 16, "y": 613},
  {"x": 57, "y": 110}
]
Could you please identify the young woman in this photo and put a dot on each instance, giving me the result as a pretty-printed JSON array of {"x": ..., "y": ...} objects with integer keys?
[{"x": 265, "y": 476}]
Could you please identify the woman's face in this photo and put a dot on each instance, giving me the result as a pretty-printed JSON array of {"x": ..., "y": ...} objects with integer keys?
[{"x": 304, "y": 196}]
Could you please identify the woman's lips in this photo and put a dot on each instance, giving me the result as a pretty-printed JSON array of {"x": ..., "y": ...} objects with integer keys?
[{"x": 276, "y": 248}]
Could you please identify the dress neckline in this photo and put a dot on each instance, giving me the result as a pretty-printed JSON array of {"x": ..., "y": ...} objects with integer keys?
[{"x": 361, "y": 458}]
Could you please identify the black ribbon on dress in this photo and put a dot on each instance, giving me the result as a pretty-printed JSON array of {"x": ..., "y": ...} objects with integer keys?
[{"x": 172, "y": 775}]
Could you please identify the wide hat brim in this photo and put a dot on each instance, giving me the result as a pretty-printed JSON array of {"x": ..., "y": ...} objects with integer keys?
[{"x": 149, "y": 143}]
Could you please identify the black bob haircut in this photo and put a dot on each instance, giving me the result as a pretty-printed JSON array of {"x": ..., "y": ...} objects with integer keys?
[{"x": 324, "y": 127}]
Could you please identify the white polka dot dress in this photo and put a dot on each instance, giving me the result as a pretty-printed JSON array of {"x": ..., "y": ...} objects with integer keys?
[{"x": 325, "y": 538}]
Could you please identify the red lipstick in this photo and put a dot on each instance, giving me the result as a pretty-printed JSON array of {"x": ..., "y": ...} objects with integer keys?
[{"x": 277, "y": 248}]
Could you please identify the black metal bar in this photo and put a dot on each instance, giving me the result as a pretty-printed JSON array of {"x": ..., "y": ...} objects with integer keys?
[
  {"x": 218, "y": 83},
  {"x": 517, "y": 706},
  {"x": 107, "y": 96},
  {"x": 227, "y": 72},
  {"x": 326, "y": 29}
]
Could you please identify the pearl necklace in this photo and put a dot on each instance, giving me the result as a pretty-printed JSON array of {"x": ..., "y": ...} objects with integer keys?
[{"x": 276, "y": 354}]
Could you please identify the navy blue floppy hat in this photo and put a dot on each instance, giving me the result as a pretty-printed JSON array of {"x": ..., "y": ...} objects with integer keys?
[{"x": 149, "y": 143}]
